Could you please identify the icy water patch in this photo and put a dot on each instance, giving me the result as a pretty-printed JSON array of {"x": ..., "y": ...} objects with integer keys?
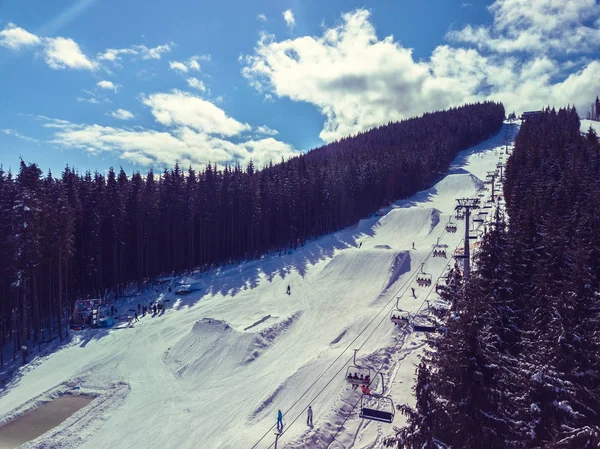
[{"x": 40, "y": 420}]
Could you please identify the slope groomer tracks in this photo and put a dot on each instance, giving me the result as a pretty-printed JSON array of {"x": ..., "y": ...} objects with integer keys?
[{"x": 386, "y": 307}]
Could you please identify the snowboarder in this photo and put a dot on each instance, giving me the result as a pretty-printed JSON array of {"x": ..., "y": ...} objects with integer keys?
[
  {"x": 413, "y": 292},
  {"x": 279, "y": 420},
  {"x": 309, "y": 416},
  {"x": 289, "y": 290}
]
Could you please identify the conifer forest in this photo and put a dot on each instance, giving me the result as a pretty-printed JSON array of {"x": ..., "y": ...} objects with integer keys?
[
  {"x": 518, "y": 364},
  {"x": 82, "y": 235}
]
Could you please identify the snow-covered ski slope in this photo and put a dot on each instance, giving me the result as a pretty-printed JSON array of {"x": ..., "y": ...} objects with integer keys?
[{"x": 213, "y": 370}]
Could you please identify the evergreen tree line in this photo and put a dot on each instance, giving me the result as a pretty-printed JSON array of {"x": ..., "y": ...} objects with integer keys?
[
  {"x": 81, "y": 235},
  {"x": 594, "y": 110},
  {"x": 519, "y": 366}
]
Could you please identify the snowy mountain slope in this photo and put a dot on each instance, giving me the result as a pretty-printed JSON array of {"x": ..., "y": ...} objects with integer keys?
[
  {"x": 215, "y": 368},
  {"x": 585, "y": 125}
]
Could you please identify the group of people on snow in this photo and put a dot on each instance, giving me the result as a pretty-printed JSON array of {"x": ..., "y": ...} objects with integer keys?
[{"x": 309, "y": 419}]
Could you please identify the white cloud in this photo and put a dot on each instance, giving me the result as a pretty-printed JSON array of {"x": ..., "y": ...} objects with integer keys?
[
  {"x": 262, "y": 17},
  {"x": 108, "y": 85},
  {"x": 91, "y": 100},
  {"x": 149, "y": 147},
  {"x": 190, "y": 64},
  {"x": 266, "y": 131},
  {"x": 537, "y": 26},
  {"x": 61, "y": 53},
  {"x": 288, "y": 16},
  {"x": 359, "y": 81},
  {"x": 194, "y": 65},
  {"x": 156, "y": 52},
  {"x": 115, "y": 54},
  {"x": 121, "y": 114},
  {"x": 15, "y": 37},
  {"x": 179, "y": 66},
  {"x": 12, "y": 132},
  {"x": 196, "y": 84},
  {"x": 184, "y": 109}
]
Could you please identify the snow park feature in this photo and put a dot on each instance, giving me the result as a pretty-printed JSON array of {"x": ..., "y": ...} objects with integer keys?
[{"x": 213, "y": 370}]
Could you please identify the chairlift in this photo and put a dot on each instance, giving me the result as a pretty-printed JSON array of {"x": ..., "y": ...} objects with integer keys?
[
  {"x": 423, "y": 323},
  {"x": 423, "y": 278},
  {"x": 460, "y": 214},
  {"x": 439, "y": 250},
  {"x": 358, "y": 375},
  {"x": 399, "y": 317},
  {"x": 451, "y": 226},
  {"x": 377, "y": 407}
]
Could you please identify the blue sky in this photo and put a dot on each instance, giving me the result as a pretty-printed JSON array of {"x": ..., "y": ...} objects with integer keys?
[{"x": 100, "y": 83}]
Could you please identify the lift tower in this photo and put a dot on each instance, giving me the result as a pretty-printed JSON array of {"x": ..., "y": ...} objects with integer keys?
[{"x": 467, "y": 204}]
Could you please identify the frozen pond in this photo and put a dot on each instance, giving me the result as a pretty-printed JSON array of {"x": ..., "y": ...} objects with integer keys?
[{"x": 40, "y": 420}]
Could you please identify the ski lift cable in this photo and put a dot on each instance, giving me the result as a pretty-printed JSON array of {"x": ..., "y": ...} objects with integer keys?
[
  {"x": 385, "y": 307},
  {"x": 381, "y": 367},
  {"x": 404, "y": 286}
]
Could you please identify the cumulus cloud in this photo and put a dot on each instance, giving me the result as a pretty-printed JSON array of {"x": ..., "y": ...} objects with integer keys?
[
  {"x": 15, "y": 37},
  {"x": 359, "y": 81},
  {"x": 121, "y": 114},
  {"x": 196, "y": 84},
  {"x": 288, "y": 16},
  {"x": 184, "y": 109},
  {"x": 179, "y": 66},
  {"x": 108, "y": 85},
  {"x": 266, "y": 131},
  {"x": 156, "y": 52},
  {"x": 150, "y": 147},
  {"x": 262, "y": 17},
  {"x": 61, "y": 53},
  {"x": 537, "y": 26},
  {"x": 190, "y": 64}
]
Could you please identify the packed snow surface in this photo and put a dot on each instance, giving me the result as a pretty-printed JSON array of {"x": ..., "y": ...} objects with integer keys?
[{"x": 213, "y": 370}]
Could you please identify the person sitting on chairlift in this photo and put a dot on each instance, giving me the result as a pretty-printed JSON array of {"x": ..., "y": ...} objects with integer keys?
[{"x": 365, "y": 389}]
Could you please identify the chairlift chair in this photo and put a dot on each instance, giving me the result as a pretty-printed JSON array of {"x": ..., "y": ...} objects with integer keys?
[
  {"x": 399, "y": 317},
  {"x": 451, "y": 226},
  {"x": 460, "y": 214},
  {"x": 423, "y": 323},
  {"x": 377, "y": 407},
  {"x": 358, "y": 375},
  {"x": 423, "y": 278}
]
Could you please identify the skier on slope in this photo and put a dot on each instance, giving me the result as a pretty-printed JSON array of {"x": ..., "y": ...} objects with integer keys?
[
  {"x": 413, "y": 245},
  {"x": 279, "y": 420},
  {"x": 309, "y": 417},
  {"x": 289, "y": 290},
  {"x": 413, "y": 292}
]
